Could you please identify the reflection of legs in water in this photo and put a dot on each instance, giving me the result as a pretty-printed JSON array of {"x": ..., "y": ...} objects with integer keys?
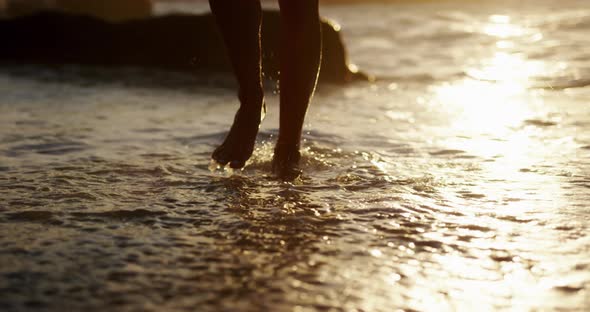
[
  {"x": 239, "y": 22},
  {"x": 300, "y": 61}
]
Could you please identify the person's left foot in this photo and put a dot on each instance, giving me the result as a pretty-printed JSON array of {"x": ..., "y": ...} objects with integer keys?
[
  {"x": 285, "y": 162},
  {"x": 238, "y": 145}
]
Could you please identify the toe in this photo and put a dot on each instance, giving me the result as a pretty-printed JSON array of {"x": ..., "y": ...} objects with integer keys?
[
  {"x": 220, "y": 156},
  {"x": 237, "y": 164},
  {"x": 288, "y": 173}
]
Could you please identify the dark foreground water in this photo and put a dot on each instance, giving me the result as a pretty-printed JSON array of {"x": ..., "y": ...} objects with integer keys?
[{"x": 461, "y": 181}]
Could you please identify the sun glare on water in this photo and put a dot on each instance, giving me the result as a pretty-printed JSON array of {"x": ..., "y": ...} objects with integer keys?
[
  {"x": 489, "y": 112},
  {"x": 495, "y": 98}
]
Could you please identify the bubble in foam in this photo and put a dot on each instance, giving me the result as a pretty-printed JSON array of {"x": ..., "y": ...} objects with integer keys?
[
  {"x": 214, "y": 166},
  {"x": 230, "y": 171}
]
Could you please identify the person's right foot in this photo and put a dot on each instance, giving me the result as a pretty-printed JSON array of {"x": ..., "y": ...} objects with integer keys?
[{"x": 238, "y": 145}]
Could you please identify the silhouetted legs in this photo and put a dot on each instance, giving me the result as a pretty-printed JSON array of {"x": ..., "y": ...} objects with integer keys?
[
  {"x": 239, "y": 21},
  {"x": 300, "y": 61}
]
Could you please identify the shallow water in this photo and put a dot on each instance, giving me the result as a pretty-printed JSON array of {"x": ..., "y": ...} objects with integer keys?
[{"x": 458, "y": 181}]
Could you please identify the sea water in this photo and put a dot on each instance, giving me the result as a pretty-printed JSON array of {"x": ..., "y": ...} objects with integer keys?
[{"x": 459, "y": 180}]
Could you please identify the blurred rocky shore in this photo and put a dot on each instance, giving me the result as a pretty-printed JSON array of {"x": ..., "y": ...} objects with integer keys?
[{"x": 125, "y": 33}]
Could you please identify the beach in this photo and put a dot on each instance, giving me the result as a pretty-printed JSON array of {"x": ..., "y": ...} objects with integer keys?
[{"x": 459, "y": 180}]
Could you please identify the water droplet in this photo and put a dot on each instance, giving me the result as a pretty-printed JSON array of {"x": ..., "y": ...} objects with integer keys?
[
  {"x": 376, "y": 253},
  {"x": 214, "y": 166}
]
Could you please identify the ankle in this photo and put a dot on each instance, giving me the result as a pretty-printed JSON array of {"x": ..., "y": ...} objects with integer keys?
[
  {"x": 285, "y": 151},
  {"x": 288, "y": 141}
]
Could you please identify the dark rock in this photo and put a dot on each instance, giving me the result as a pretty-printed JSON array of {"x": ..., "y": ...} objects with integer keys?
[
  {"x": 174, "y": 42},
  {"x": 111, "y": 10}
]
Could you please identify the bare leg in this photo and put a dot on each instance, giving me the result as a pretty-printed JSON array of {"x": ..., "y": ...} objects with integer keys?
[
  {"x": 301, "y": 45},
  {"x": 239, "y": 22}
]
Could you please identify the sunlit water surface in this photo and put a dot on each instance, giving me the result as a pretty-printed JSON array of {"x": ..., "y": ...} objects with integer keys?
[{"x": 459, "y": 181}]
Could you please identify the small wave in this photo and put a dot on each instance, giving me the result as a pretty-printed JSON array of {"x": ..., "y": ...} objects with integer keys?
[
  {"x": 422, "y": 78},
  {"x": 119, "y": 214},
  {"x": 569, "y": 23},
  {"x": 569, "y": 288},
  {"x": 30, "y": 215},
  {"x": 547, "y": 83},
  {"x": 515, "y": 219},
  {"x": 540, "y": 123},
  {"x": 448, "y": 36},
  {"x": 447, "y": 152},
  {"x": 151, "y": 130},
  {"x": 470, "y": 195},
  {"x": 562, "y": 84},
  {"x": 51, "y": 148}
]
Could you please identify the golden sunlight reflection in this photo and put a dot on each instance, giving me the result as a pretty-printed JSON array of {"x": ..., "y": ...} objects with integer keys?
[
  {"x": 501, "y": 27},
  {"x": 487, "y": 119},
  {"x": 495, "y": 99},
  {"x": 507, "y": 68},
  {"x": 489, "y": 109},
  {"x": 508, "y": 64},
  {"x": 488, "y": 113},
  {"x": 482, "y": 106}
]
